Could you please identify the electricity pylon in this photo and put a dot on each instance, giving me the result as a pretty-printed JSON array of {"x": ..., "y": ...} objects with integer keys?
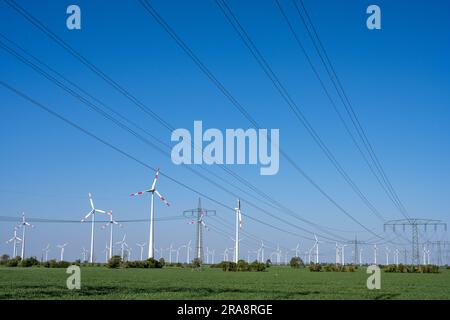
[
  {"x": 414, "y": 224},
  {"x": 199, "y": 213}
]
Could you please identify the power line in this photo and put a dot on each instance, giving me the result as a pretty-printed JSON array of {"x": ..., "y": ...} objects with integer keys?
[
  {"x": 281, "y": 89},
  {"x": 141, "y": 105},
  {"x": 92, "y": 135},
  {"x": 243, "y": 111},
  {"x": 392, "y": 194}
]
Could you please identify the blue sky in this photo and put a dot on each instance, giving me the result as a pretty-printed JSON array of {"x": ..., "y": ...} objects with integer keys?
[{"x": 397, "y": 79}]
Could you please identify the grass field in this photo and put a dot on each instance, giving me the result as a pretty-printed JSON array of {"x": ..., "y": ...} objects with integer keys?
[{"x": 175, "y": 283}]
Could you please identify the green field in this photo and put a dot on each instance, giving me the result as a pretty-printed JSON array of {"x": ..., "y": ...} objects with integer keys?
[{"x": 178, "y": 283}]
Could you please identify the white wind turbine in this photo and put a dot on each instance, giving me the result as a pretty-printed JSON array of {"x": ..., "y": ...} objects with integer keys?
[
  {"x": 122, "y": 245},
  {"x": 106, "y": 251},
  {"x": 396, "y": 254},
  {"x": 129, "y": 252},
  {"x": 238, "y": 226},
  {"x": 14, "y": 240},
  {"x": 92, "y": 214},
  {"x": 338, "y": 252},
  {"x": 375, "y": 254},
  {"x": 24, "y": 224},
  {"x": 171, "y": 249},
  {"x": 152, "y": 191},
  {"x": 262, "y": 251},
  {"x": 316, "y": 245},
  {"x": 225, "y": 254},
  {"x": 360, "y": 256},
  {"x": 45, "y": 251},
  {"x": 387, "y": 255},
  {"x": 213, "y": 253},
  {"x": 188, "y": 248},
  {"x": 297, "y": 250},
  {"x": 343, "y": 253},
  {"x": 111, "y": 223},
  {"x": 84, "y": 253},
  {"x": 141, "y": 246},
  {"x": 62, "y": 247}
]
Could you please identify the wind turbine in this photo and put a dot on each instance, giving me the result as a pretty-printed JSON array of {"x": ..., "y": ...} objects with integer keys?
[
  {"x": 46, "y": 251},
  {"x": 83, "y": 253},
  {"x": 317, "y": 249},
  {"x": 141, "y": 245},
  {"x": 375, "y": 254},
  {"x": 396, "y": 254},
  {"x": 387, "y": 255},
  {"x": 213, "y": 255},
  {"x": 62, "y": 247},
  {"x": 110, "y": 223},
  {"x": 225, "y": 254},
  {"x": 343, "y": 253},
  {"x": 24, "y": 224},
  {"x": 129, "y": 252},
  {"x": 188, "y": 248},
  {"x": 297, "y": 250},
  {"x": 92, "y": 213},
  {"x": 14, "y": 240},
  {"x": 262, "y": 251},
  {"x": 152, "y": 190},
  {"x": 106, "y": 251},
  {"x": 170, "y": 252},
  {"x": 338, "y": 252},
  {"x": 360, "y": 256},
  {"x": 238, "y": 226},
  {"x": 122, "y": 244}
]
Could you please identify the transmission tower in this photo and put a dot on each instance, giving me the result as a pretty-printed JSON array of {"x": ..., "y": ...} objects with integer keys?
[
  {"x": 355, "y": 252},
  {"x": 414, "y": 224},
  {"x": 199, "y": 214}
]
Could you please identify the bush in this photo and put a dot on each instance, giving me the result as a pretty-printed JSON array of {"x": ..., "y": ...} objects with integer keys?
[
  {"x": 152, "y": 263},
  {"x": 13, "y": 262},
  {"x": 29, "y": 262},
  {"x": 114, "y": 262},
  {"x": 162, "y": 262},
  {"x": 411, "y": 268},
  {"x": 56, "y": 264},
  {"x": 315, "y": 267},
  {"x": 296, "y": 262},
  {"x": 4, "y": 259},
  {"x": 196, "y": 263}
]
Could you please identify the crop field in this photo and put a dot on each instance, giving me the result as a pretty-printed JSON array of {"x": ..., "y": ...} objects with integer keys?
[{"x": 179, "y": 283}]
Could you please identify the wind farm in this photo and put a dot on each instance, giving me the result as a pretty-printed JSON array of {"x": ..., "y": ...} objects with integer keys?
[{"x": 305, "y": 172}]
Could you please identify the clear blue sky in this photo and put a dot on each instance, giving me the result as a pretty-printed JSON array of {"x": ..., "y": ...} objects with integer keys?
[{"x": 397, "y": 78}]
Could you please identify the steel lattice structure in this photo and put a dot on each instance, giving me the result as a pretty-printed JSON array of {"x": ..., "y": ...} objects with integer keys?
[{"x": 414, "y": 224}]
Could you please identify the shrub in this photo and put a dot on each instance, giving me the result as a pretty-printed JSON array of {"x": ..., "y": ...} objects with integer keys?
[
  {"x": 152, "y": 263},
  {"x": 29, "y": 262},
  {"x": 196, "y": 263},
  {"x": 162, "y": 262},
  {"x": 4, "y": 259},
  {"x": 315, "y": 267},
  {"x": 296, "y": 262},
  {"x": 56, "y": 264},
  {"x": 257, "y": 266},
  {"x": 268, "y": 263},
  {"x": 114, "y": 262},
  {"x": 13, "y": 262}
]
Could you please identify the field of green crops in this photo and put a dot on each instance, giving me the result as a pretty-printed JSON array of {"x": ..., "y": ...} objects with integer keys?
[{"x": 178, "y": 283}]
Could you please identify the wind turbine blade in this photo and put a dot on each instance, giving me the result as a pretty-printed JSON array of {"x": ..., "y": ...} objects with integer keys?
[
  {"x": 100, "y": 211},
  {"x": 140, "y": 193},
  {"x": 87, "y": 216},
  {"x": 156, "y": 179},
  {"x": 162, "y": 198},
  {"x": 240, "y": 219},
  {"x": 91, "y": 201}
]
